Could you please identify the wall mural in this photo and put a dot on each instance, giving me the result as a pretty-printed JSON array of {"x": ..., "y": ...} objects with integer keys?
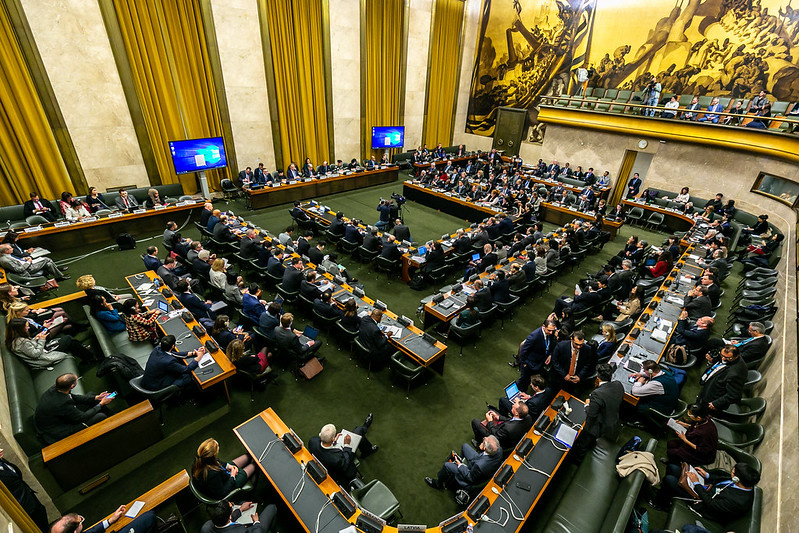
[{"x": 528, "y": 50}]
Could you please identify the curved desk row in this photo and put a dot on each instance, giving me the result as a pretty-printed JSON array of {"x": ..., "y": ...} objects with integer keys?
[
  {"x": 673, "y": 219},
  {"x": 317, "y": 507}
]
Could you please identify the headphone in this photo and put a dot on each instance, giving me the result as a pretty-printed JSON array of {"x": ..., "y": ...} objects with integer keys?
[{"x": 735, "y": 479}]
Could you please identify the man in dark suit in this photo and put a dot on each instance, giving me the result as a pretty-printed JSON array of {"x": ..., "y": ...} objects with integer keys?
[
  {"x": 246, "y": 176},
  {"x": 401, "y": 231},
  {"x": 125, "y": 201},
  {"x": 536, "y": 351},
  {"x": 325, "y": 308},
  {"x": 298, "y": 214},
  {"x": 304, "y": 243},
  {"x": 692, "y": 337},
  {"x": 536, "y": 402},
  {"x": 572, "y": 363},
  {"x": 223, "y": 519},
  {"x": 151, "y": 260},
  {"x": 336, "y": 453},
  {"x": 317, "y": 254},
  {"x": 390, "y": 249},
  {"x": 249, "y": 245},
  {"x": 190, "y": 301},
  {"x": 755, "y": 346},
  {"x": 722, "y": 384},
  {"x": 500, "y": 288},
  {"x": 202, "y": 263},
  {"x": 482, "y": 296},
  {"x": 60, "y": 413},
  {"x": 308, "y": 287},
  {"x": 292, "y": 277},
  {"x": 373, "y": 339},
  {"x": 261, "y": 175},
  {"x": 11, "y": 477},
  {"x": 274, "y": 265},
  {"x": 222, "y": 232},
  {"x": 352, "y": 233},
  {"x": 146, "y": 522},
  {"x": 371, "y": 241},
  {"x": 164, "y": 367},
  {"x": 697, "y": 303},
  {"x": 205, "y": 214},
  {"x": 270, "y": 319},
  {"x": 585, "y": 300},
  {"x": 477, "y": 468},
  {"x": 37, "y": 206},
  {"x": 337, "y": 225},
  {"x": 462, "y": 243},
  {"x": 508, "y": 430},
  {"x": 634, "y": 186},
  {"x": 289, "y": 341},
  {"x": 601, "y": 412}
]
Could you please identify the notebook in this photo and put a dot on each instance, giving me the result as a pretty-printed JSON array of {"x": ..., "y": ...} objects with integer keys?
[{"x": 421, "y": 251}]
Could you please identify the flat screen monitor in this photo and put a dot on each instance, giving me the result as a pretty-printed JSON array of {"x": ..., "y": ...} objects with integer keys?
[
  {"x": 195, "y": 155},
  {"x": 388, "y": 137}
]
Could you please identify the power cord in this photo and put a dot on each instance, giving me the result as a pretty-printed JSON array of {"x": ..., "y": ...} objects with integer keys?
[
  {"x": 319, "y": 514},
  {"x": 530, "y": 467},
  {"x": 266, "y": 449},
  {"x": 485, "y": 518},
  {"x": 513, "y": 506},
  {"x": 295, "y": 494}
]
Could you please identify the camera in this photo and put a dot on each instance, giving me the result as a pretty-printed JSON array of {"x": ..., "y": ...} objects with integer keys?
[{"x": 398, "y": 198}]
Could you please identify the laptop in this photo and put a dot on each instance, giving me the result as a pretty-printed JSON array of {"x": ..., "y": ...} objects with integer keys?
[
  {"x": 163, "y": 306},
  {"x": 476, "y": 257},
  {"x": 421, "y": 251},
  {"x": 512, "y": 391},
  {"x": 310, "y": 332}
]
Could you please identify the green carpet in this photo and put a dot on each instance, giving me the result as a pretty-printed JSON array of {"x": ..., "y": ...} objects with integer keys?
[{"x": 414, "y": 434}]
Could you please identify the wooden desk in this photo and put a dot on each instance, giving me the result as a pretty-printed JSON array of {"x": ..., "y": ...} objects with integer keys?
[
  {"x": 221, "y": 369},
  {"x": 283, "y": 469},
  {"x": 174, "y": 487},
  {"x": 601, "y": 192},
  {"x": 92, "y": 450},
  {"x": 71, "y": 297},
  {"x": 269, "y": 196},
  {"x": 106, "y": 228},
  {"x": 674, "y": 220},
  {"x": 418, "y": 167}
]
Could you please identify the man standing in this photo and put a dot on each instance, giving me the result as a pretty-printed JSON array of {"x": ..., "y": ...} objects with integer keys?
[
  {"x": 634, "y": 187},
  {"x": 601, "y": 412},
  {"x": 572, "y": 363},
  {"x": 653, "y": 96},
  {"x": 536, "y": 351},
  {"x": 336, "y": 453},
  {"x": 60, "y": 413}
]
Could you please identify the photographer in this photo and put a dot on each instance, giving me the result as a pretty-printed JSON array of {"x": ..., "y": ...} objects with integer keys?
[
  {"x": 384, "y": 207},
  {"x": 652, "y": 96}
]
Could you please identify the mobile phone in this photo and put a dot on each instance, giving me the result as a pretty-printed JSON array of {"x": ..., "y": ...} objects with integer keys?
[
  {"x": 631, "y": 379},
  {"x": 112, "y": 395},
  {"x": 523, "y": 486}
]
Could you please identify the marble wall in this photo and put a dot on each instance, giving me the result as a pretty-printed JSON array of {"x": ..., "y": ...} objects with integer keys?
[
  {"x": 345, "y": 58},
  {"x": 77, "y": 56},
  {"x": 238, "y": 36},
  {"x": 471, "y": 27},
  {"x": 419, "y": 27}
]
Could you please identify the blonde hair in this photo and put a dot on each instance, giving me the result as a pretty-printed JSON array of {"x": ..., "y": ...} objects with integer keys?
[
  {"x": 206, "y": 459},
  {"x": 16, "y": 310},
  {"x": 235, "y": 350},
  {"x": 218, "y": 265},
  {"x": 609, "y": 332},
  {"x": 85, "y": 282}
]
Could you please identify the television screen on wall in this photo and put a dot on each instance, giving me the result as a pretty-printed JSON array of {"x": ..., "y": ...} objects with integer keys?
[
  {"x": 387, "y": 137},
  {"x": 195, "y": 155}
]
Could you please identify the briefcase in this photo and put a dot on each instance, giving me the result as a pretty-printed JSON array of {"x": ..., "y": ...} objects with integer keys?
[{"x": 311, "y": 368}]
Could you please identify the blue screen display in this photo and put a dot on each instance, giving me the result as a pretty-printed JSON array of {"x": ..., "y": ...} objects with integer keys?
[
  {"x": 388, "y": 137},
  {"x": 195, "y": 155}
]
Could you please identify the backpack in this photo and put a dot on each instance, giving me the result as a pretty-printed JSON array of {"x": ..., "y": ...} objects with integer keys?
[
  {"x": 125, "y": 241},
  {"x": 631, "y": 445},
  {"x": 676, "y": 354},
  {"x": 127, "y": 367},
  {"x": 418, "y": 282}
]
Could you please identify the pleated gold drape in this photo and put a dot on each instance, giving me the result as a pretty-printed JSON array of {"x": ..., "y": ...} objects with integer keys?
[
  {"x": 298, "y": 64},
  {"x": 29, "y": 156},
  {"x": 382, "y": 81},
  {"x": 168, "y": 57},
  {"x": 443, "y": 72}
]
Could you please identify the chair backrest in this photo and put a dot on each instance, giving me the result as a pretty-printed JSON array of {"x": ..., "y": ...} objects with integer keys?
[
  {"x": 611, "y": 94},
  {"x": 36, "y": 219}
]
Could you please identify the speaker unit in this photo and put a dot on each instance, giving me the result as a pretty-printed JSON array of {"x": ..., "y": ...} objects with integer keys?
[
  {"x": 367, "y": 524},
  {"x": 503, "y": 476},
  {"x": 166, "y": 293},
  {"x": 541, "y": 424},
  {"x": 634, "y": 333},
  {"x": 623, "y": 349},
  {"x": 478, "y": 508},
  {"x": 292, "y": 442},
  {"x": 316, "y": 470},
  {"x": 211, "y": 346},
  {"x": 524, "y": 447},
  {"x": 458, "y": 525},
  {"x": 344, "y": 504},
  {"x": 198, "y": 330}
]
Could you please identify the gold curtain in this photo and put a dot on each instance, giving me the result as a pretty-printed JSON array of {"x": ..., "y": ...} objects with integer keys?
[
  {"x": 168, "y": 57},
  {"x": 620, "y": 188},
  {"x": 383, "y": 63},
  {"x": 298, "y": 65},
  {"x": 443, "y": 75},
  {"x": 15, "y": 511},
  {"x": 29, "y": 156}
]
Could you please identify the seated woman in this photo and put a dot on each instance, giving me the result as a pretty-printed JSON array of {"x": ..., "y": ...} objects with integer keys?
[
  {"x": 87, "y": 284},
  {"x": 469, "y": 316},
  {"x": 627, "y": 308},
  {"x": 350, "y": 321},
  {"x": 233, "y": 286},
  {"x": 11, "y": 294},
  {"x": 218, "y": 274},
  {"x": 153, "y": 199},
  {"x": 214, "y": 479},
  {"x": 76, "y": 210},
  {"x": 141, "y": 326},
  {"x": 222, "y": 334},
  {"x": 65, "y": 202},
  {"x": 608, "y": 346},
  {"x": 684, "y": 197},
  {"x": 540, "y": 260},
  {"x": 254, "y": 364},
  {"x": 660, "y": 268},
  {"x": 39, "y": 321},
  {"x": 700, "y": 442},
  {"x": 707, "y": 215},
  {"x": 36, "y": 351},
  {"x": 105, "y": 313},
  {"x": 759, "y": 255},
  {"x": 95, "y": 200}
]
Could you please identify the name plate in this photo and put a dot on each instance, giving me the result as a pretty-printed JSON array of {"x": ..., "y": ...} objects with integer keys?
[
  {"x": 306, "y": 180},
  {"x": 181, "y": 204},
  {"x": 198, "y": 200},
  {"x": 333, "y": 175},
  {"x": 33, "y": 229},
  {"x": 62, "y": 224},
  {"x": 89, "y": 219},
  {"x": 292, "y": 182},
  {"x": 276, "y": 184},
  {"x": 116, "y": 215},
  {"x": 3, "y": 234},
  {"x": 139, "y": 211},
  {"x": 160, "y": 207}
]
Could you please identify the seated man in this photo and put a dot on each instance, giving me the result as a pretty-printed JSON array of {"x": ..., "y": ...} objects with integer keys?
[
  {"x": 373, "y": 339},
  {"x": 352, "y": 232},
  {"x": 475, "y": 469},
  {"x": 325, "y": 308},
  {"x": 390, "y": 249},
  {"x": 672, "y": 104},
  {"x": 251, "y": 304},
  {"x": 755, "y": 346},
  {"x": 164, "y": 367},
  {"x": 722, "y": 384},
  {"x": 308, "y": 287},
  {"x": 692, "y": 337},
  {"x": 536, "y": 402},
  {"x": 146, "y": 522},
  {"x": 337, "y": 226},
  {"x": 198, "y": 308},
  {"x": 697, "y": 303},
  {"x": 125, "y": 201},
  {"x": 401, "y": 231},
  {"x": 289, "y": 341},
  {"x": 151, "y": 260},
  {"x": 60, "y": 413},
  {"x": 270, "y": 319},
  {"x": 712, "y": 109},
  {"x": 584, "y": 300},
  {"x": 29, "y": 267},
  {"x": 38, "y": 206},
  {"x": 223, "y": 518},
  {"x": 336, "y": 452},
  {"x": 655, "y": 388},
  {"x": 274, "y": 266},
  {"x": 508, "y": 430},
  {"x": 292, "y": 277}
]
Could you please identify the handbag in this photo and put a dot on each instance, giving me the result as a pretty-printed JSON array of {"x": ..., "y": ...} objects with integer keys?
[
  {"x": 683, "y": 482},
  {"x": 676, "y": 354},
  {"x": 639, "y": 521},
  {"x": 51, "y": 284}
]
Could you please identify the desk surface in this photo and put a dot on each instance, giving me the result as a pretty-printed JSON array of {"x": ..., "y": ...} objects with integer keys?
[
  {"x": 261, "y": 436},
  {"x": 216, "y": 372},
  {"x": 444, "y": 160},
  {"x": 305, "y": 182}
]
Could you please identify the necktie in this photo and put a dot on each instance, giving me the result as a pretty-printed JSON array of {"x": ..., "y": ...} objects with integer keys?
[
  {"x": 573, "y": 364},
  {"x": 38, "y": 205}
]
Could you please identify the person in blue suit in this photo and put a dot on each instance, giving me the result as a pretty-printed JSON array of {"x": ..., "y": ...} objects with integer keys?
[
  {"x": 634, "y": 187},
  {"x": 536, "y": 351},
  {"x": 73, "y": 523},
  {"x": 475, "y": 468},
  {"x": 537, "y": 402},
  {"x": 164, "y": 367},
  {"x": 198, "y": 308},
  {"x": 710, "y": 116},
  {"x": 151, "y": 260}
]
